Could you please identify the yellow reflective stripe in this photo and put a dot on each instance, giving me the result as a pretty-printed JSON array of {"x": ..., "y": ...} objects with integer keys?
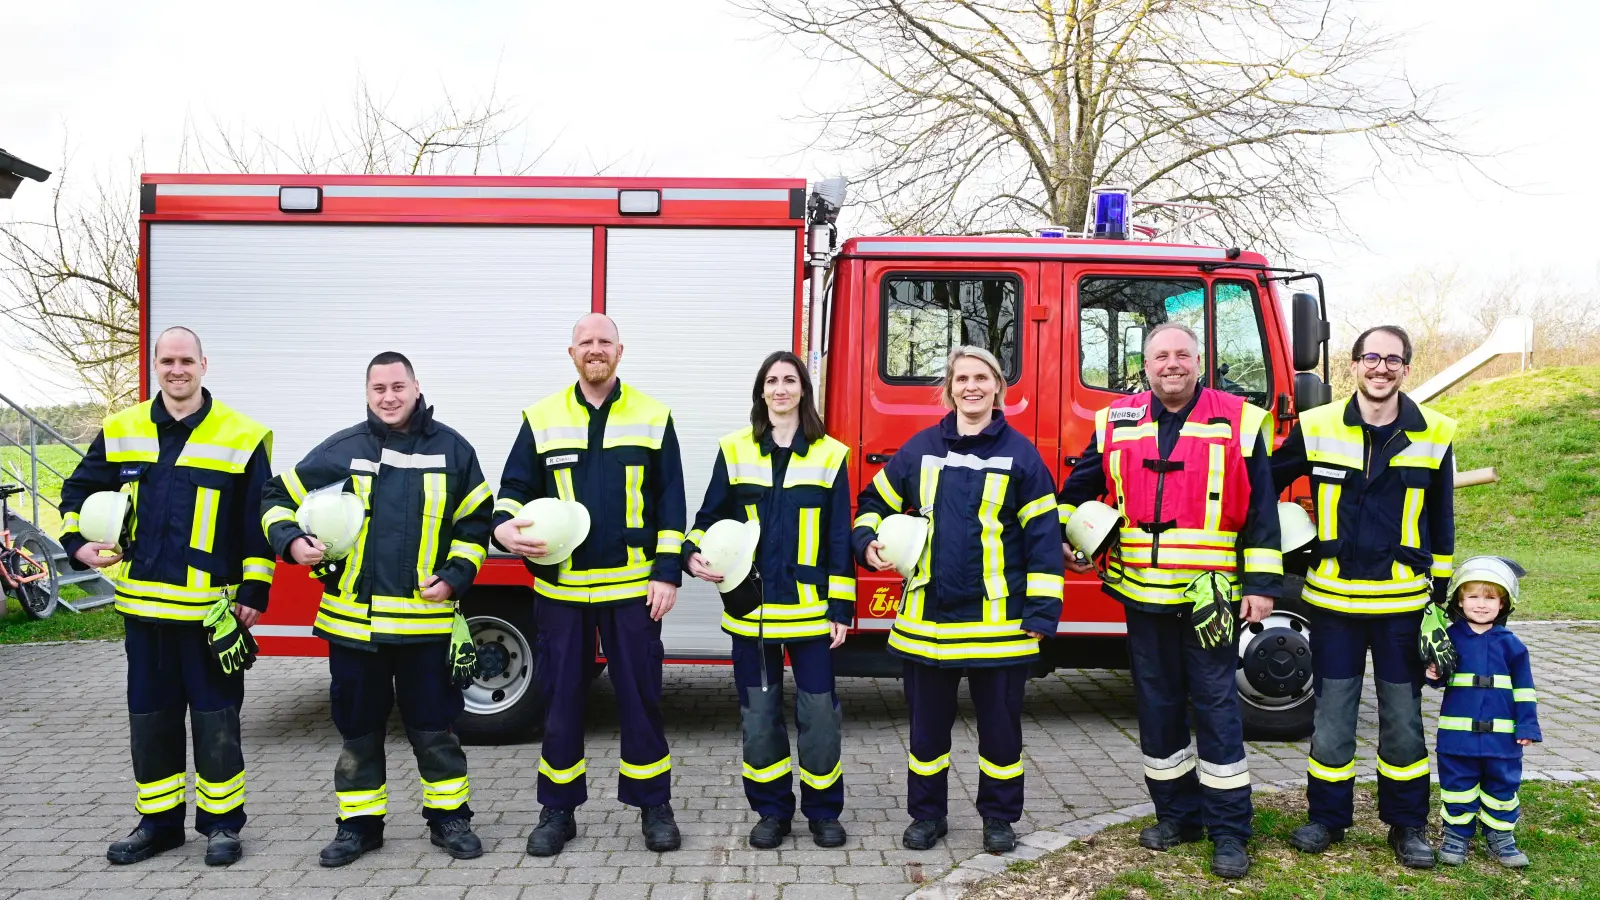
[
  {"x": 841, "y": 587},
  {"x": 954, "y": 650},
  {"x": 1524, "y": 695},
  {"x": 998, "y": 771},
  {"x": 1219, "y": 431},
  {"x": 353, "y": 563},
  {"x": 931, "y": 767},
  {"x": 1328, "y": 511},
  {"x": 353, "y": 631},
  {"x": 1443, "y": 567},
  {"x": 447, "y": 794},
  {"x": 631, "y": 572},
  {"x": 1458, "y": 819},
  {"x": 475, "y": 498},
  {"x": 994, "y": 550},
  {"x": 868, "y": 520},
  {"x": 1214, "y": 484},
  {"x": 563, "y": 776},
  {"x": 1131, "y": 536},
  {"x": 1466, "y": 796},
  {"x": 70, "y": 523},
  {"x": 769, "y": 773},
  {"x": 779, "y": 630},
  {"x": 1064, "y": 512},
  {"x": 1160, "y": 586},
  {"x": 647, "y": 770},
  {"x": 1113, "y": 464},
  {"x": 472, "y": 553},
  {"x": 508, "y": 505},
  {"x": 1495, "y": 823},
  {"x": 257, "y": 568},
  {"x": 1330, "y": 773},
  {"x": 695, "y": 537},
  {"x": 1178, "y": 556},
  {"x": 157, "y": 796},
  {"x": 886, "y": 490},
  {"x": 1325, "y": 588},
  {"x": 633, "y": 515},
  {"x": 1043, "y": 584},
  {"x": 292, "y": 483},
  {"x": 1036, "y": 508},
  {"x": 1494, "y": 802},
  {"x": 810, "y": 526},
  {"x": 1463, "y": 723},
  {"x": 1411, "y": 518},
  {"x": 822, "y": 782},
  {"x": 1263, "y": 559},
  {"x": 564, "y": 485},
  {"x": 434, "y": 494},
  {"x": 1418, "y": 769},
  {"x": 1466, "y": 679},
  {"x": 363, "y": 803},
  {"x": 1254, "y": 420},
  {"x": 669, "y": 541},
  {"x": 202, "y": 532},
  {"x": 1131, "y": 433},
  {"x": 219, "y": 798}
]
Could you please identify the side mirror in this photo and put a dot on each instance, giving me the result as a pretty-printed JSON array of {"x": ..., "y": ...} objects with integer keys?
[
  {"x": 1310, "y": 332},
  {"x": 1310, "y": 391}
]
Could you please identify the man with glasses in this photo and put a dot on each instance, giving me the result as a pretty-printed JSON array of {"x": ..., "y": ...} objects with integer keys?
[{"x": 1382, "y": 471}]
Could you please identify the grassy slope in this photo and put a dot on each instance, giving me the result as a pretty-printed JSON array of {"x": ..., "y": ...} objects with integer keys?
[
  {"x": 1541, "y": 431},
  {"x": 14, "y": 461}
]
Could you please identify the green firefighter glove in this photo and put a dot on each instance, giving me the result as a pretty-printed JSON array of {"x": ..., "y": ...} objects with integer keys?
[
  {"x": 1211, "y": 611},
  {"x": 463, "y": 654},
  {"x": 1434, "y": 642},
  {"x": 231, "y": 644}
]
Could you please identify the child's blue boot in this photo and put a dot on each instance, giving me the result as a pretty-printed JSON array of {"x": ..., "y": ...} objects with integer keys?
[
  {"x": 1453, "y": 851},
  {"x": 1503, "y": 847}
]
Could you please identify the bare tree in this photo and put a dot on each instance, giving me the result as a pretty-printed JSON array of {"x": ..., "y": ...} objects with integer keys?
[
  {"x": 71, "y": 280},
  {"x": 995, "y": 116}
]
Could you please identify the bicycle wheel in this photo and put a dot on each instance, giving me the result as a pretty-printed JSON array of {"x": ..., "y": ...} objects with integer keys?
[{"x": 37, "y": 598}]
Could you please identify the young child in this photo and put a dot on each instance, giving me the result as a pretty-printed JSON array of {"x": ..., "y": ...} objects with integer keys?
[{"x": 1488, "y": 714}]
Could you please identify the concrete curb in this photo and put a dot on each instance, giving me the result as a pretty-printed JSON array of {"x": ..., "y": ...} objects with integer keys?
[{"x": 980, "y": 868}]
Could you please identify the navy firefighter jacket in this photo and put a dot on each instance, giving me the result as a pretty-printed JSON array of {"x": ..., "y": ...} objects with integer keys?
[
  {"x": 1489, "y": 702},
  {"x": 992, "y": 566}
]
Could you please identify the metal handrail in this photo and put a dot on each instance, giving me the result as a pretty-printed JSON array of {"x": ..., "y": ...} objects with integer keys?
[
  {"x": 33, "y": 453},
  {"x": 47, "y": 429}
]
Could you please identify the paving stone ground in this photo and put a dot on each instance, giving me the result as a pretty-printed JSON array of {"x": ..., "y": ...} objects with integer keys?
[{"x": 66, "y": 788}]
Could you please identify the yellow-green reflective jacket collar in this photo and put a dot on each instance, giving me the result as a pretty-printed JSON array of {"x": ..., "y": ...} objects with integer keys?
[
  {"x": 421, "y": 421},
  {"x": 799, "y": 446},
  {"x": 611, "y": 398},
  {"x": 160, "y": 416},
  {"x": 1409, "y": 419}
]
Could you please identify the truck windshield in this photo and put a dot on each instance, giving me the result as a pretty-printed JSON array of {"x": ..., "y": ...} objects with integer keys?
[
  {"x": 1115, "y": 313},
  {"x": 927, "y": 316}
]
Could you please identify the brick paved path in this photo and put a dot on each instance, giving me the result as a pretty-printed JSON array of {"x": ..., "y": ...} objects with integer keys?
[{"x": 66, "y": 788}]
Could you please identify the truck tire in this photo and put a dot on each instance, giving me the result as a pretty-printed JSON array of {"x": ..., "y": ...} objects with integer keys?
[
  {"x": 505, "y": 704},
  {"x": 1275, "y": 687}
]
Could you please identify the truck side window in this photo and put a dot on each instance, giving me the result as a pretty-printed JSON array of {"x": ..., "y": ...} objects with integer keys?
[
  {"x": 1241, "y": 348},
  {"x": 927, "y": 316},
  {"x": 1115, "y": 313}
]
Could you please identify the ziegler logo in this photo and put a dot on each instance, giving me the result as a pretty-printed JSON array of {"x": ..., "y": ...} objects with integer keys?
[{"x": 882, "y": 603}]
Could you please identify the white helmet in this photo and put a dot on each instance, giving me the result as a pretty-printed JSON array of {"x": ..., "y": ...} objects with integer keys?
[
  {"x": 903, "y": 538},
  {"x": 1093, "y": 527},
  {"x": 561, "y": 524},
  {"x": 333, "y": 516},
  {"x": 102, "y": 516},
  {"x": 1495, "y": 570},
  {"x": 1297, "y": 529},
  {"x": 729, "y": 547}
]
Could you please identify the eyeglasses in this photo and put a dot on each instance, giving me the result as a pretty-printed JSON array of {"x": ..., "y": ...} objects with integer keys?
[{"x": 1371, "y": 360}]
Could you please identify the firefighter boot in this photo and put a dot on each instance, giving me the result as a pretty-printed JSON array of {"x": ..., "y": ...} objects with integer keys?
[
  {"x": 1410, "y": 846},
  {"x": 349, "y": 844},
  {"x": 1315, "y": 837},
  {"x": 827, "y": 833},
  {"x": 223, "y": 847},
  {"x": 924, "y": 833},
  {"x": 1166, "y": 834},
  {"x": 998, "y": 836},
  {"x": 660, "y": 828},
  {"x": 1229, "y": 859},
  {"x": 769, "y": 833},
  {"x": 555, "y": 828},
  {"x": 144, "y": 842},
  {"x": 457, "y": 839}
]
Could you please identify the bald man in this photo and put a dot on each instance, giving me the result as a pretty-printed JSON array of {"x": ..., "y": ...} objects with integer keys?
[{"x": 612, "y": 448}]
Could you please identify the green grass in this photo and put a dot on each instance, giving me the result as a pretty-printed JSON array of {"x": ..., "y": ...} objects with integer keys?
[
  {"x": 100, "y": 624},
  {"x": 1541, "y": 432},
  {"x": 1559, "y": 831},
  {"x": 14, "y": 462}
]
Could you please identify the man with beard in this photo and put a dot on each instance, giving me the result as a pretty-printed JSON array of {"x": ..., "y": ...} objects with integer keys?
[
  {"x": 1187, "y": 467},
  {"x": 612, "y": 448},
  {"x": 1381, "y": 471}
]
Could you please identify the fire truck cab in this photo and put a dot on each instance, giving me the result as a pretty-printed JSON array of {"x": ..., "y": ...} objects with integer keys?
[{"x": 294, "y": 282}]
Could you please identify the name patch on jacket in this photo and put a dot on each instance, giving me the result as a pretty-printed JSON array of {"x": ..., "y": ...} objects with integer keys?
[
  {"x": 1325, "y": 472},
  {"x": 565, "y": 459},
  {"x": 1127, "y": 413},
  {"x": 132, "y": 471}
]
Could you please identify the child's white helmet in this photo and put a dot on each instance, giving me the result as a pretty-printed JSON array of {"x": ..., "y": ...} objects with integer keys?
[{"x": 1495, "y": 570}]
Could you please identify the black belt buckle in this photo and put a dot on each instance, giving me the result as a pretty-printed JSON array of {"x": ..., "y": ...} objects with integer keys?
[
  {"x": 1482, "y": 727},
  {"x": 1483, "y": 681}
]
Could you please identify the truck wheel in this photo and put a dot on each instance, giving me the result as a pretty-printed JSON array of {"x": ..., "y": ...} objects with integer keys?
[
  {"x": 505, "y": 704},
  {"x": 1274, "y": 675}
]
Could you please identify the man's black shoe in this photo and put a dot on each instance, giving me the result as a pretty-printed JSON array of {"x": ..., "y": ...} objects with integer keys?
[
  {"x": 924, "y": 833},
  {"x": 1228, "y": 859},
  {"x": 1315, "y": 837},
  {"x": 348, "y": 846},
  {"x": 998, "y": 836},
  {"x": 1168, "y": 834},
  {"x": 827, "y": 833},
  {"x": 457, "y": 839},
  {"x": 660, "y": 828},
  {"x": 223, "y": 847},
  {"x": 1410, "y": 846},
  {"x": 769, "y": 833},
  {"x": 144, "y": 842},
  {"x": 555, "y": 828}
]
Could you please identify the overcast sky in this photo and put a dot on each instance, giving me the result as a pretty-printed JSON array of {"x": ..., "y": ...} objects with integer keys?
[{"x": 693, "y": 88}]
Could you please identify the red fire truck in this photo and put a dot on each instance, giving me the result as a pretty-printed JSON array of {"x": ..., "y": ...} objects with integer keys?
[{"x": 295, "y": 281}]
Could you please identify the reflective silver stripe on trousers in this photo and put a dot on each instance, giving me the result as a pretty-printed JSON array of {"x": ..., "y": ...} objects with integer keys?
[
  {"x": 398, "y": 460},
  {"x": 1225, "y": 776},
  {"x": 1174, "y": 766},
  {"x": 133, "y": 445}
]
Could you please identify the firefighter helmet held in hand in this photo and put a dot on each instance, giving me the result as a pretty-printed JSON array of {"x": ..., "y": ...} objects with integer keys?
[
  {"x": 903, "y": 538},
  {"x": 333, "y": 516},
  {"x": 729, "y": 547},
  {"x": 561, "y": 524},
  {"x": 1093, "y": 528},
  {"x": 102, "y": 517},
  {"x": 1296, "y": 527}
]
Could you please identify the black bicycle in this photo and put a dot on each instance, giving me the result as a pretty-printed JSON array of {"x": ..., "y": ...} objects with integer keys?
[{"x": 25, "y": 569}]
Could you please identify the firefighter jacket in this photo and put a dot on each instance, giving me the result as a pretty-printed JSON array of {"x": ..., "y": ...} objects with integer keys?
[
  {"x": 621, "y": 462},
  {"x": 1489, "y": 703},
  {"x": 800, "y": 495},
  {"x": 428, "y": 509},
  {"x": 1385, "y": 506},
  {"x": 1195, "y": 490},
  {"x": 991, "y": 568},
  {"x": 196, "y": 487}
]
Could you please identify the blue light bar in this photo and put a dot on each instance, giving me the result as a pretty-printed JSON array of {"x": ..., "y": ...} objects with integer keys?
[
  {"x": 1052, "y": 231},
  {"x": 1111, "y": 214}
]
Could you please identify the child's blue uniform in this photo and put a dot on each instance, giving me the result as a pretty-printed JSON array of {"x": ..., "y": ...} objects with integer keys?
[{"x": 1488, "y": 705}]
